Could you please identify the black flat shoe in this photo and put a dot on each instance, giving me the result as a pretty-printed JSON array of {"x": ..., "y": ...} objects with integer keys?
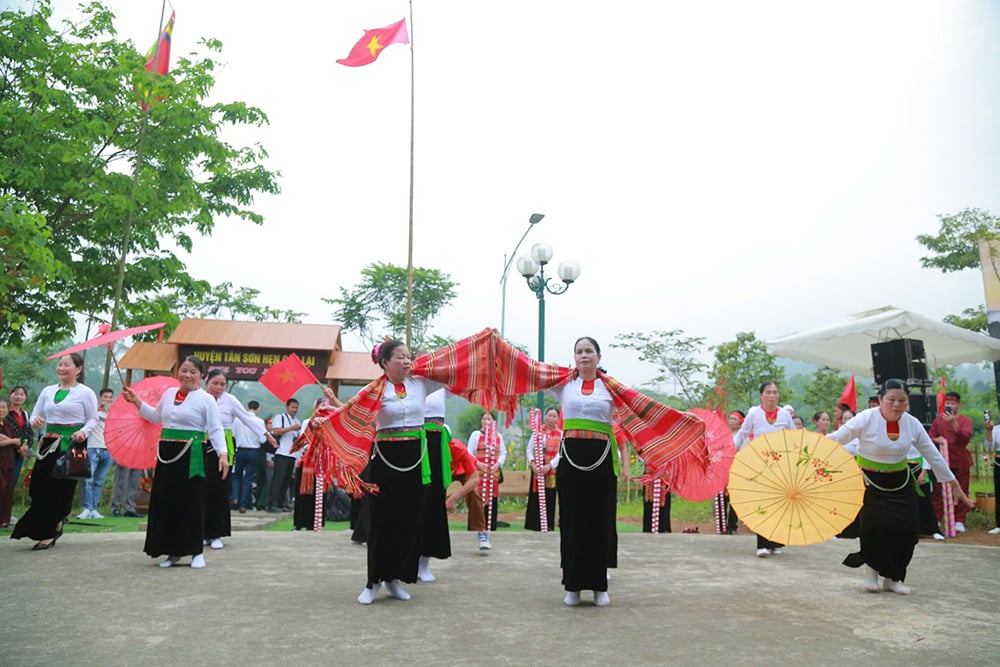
[{"x": 41, "y": 546}]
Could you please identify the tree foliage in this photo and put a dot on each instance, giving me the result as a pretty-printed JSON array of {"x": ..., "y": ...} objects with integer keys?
[
  {"x": 956, "y": 245},
  {"x": 376, "y": 306},
  {"x": 973, "y": 319},
  {"x": 745, "y": 364},
  {"x": 822, "y": 392},
  {"x": 675, "y": 357},
  {"x": 71, "y": 137}
]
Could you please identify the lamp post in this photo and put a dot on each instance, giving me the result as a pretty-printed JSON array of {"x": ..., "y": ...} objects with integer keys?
[
  {"x": 532, "y": 267},
  {"x": 532, "y": 221}
]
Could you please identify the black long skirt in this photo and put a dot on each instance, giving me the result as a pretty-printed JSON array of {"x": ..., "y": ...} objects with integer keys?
[
  {"x": 587, "y": 538},
  {"x": 396, "y": 513},
  {"x": 176, "y": 520},
  {"x": 51, "y": 502},
  {"x": 532, "y": 514},
  {"x": 304, "y": 509},
  {"x": 218, "y": 523},
  {"x": 435, "y": 540},
  {"x": 889, "y": 524},
  {"x": 647, "y": 516}
]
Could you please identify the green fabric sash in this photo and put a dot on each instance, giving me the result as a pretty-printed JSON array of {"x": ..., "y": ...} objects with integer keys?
[
  {"x": 230, "y": 445},
  {"x": 445, "y": 450},
  {"x": 197, "y": 466},
  {"x": 65, "y": 433},
  {"x": 425, "y": 463},
  {"x": 881, "y": 467},
  {"x": 600, "y": 427}
]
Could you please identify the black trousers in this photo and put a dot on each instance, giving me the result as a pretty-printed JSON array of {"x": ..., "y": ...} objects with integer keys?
[{"x": 283, "y": 467}]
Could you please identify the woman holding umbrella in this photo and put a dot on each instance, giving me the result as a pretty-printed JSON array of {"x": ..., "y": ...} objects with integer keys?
[
  {"x": 765, "y": 418},
  {"x": 888, "y": 519},
  {"x": 190, "y": 416},
  {"x": 217, "y": 491},
  {"x": 69, "y": 411}
]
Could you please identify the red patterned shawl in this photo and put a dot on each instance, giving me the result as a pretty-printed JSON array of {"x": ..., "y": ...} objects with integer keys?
[{"x": 488, "y": 371}]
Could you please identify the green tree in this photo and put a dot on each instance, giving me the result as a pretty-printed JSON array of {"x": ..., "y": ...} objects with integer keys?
[
  {"x": 973, "y": 319},
  {"x": 822, "y": 391},
  {"x": 745, "y": 364},
  {"x": 376, "y": 306},
  {"x": 675, "y": 358},
  {"x": 956, "y": 245},
  {"x": 70, "y": 139}
]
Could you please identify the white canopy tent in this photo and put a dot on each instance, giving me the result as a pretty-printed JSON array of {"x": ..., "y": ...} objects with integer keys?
[{"x": 846, "y": 345}]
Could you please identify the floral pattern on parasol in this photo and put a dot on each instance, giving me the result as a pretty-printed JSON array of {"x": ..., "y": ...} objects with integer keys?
[{"x": 795, "y": 487}]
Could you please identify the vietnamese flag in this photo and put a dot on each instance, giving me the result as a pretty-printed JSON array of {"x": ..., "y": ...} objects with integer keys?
[
  {"x": 368, "y": 48},
  {"x": 286, "y": 377},
  {"x": 849, "y": 396},
  {"x": 160, "y": 52}
]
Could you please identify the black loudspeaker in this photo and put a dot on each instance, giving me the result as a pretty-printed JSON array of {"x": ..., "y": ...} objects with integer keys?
[
  {"x": 902, "y": 359},
  {"x": 923, "y": 406}
]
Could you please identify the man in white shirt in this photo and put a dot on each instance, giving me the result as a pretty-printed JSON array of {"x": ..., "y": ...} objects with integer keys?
[
  {"x": 100, "y": 460},
  {"x": 246, "y": 460},
  {"x": 286, "y": 428}
]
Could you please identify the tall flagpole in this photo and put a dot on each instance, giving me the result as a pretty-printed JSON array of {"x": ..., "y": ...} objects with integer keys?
[
  {"x": 127, "y": 233},
  {"x": 409, "y": 259}
]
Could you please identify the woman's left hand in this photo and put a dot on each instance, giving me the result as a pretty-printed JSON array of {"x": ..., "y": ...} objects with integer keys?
[
  {"x": 959, "y": 494},
  {"x": 224, "y": 465},
  {"x": 79, "y": 436}
]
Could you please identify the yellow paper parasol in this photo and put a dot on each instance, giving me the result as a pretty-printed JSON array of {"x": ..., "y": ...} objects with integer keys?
[{"x": 795, "y": 487}]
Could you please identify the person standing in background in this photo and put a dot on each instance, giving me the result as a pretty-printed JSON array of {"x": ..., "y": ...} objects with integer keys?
[
  {"x": 100, "y": 459},
  {"x": 286, "y": 427},
  {"x": 955, "y": 431},
  {"x": 22, "y": 428}
]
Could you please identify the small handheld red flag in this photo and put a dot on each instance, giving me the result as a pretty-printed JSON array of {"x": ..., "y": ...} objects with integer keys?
[
  {"x": 368, "y": 48},
  {"x": 940, "y": 399},
  {"x": 849, "y": 395},
  {"x": 286, "y": 377}
]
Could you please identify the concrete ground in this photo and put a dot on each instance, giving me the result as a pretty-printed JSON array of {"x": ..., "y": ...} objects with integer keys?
[{"x": 290, "y": 598}]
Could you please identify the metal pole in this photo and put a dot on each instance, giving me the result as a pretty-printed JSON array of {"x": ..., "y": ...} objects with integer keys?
[{"x": 541, "y": 326}]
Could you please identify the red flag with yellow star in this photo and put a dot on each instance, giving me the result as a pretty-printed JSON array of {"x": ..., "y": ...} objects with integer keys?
[
  {"x": 368, "y": 48},
  {"x": 286, "y": 377}
]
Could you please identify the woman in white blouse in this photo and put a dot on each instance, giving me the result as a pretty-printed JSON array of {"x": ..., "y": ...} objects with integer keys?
[
  {"x": 400, "y": 468},
  {"x": 587, "y": 479},
  {"x": 888, "y": 518},
  {"x": 68, "y": 410},
  {"x": 190, "y": 418},
  {"x": 764, "y": 418}
]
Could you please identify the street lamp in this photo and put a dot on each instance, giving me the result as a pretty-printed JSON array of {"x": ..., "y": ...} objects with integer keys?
[
  {"x": 532, "y": 267},
  {"x": 532, "y": 221}
]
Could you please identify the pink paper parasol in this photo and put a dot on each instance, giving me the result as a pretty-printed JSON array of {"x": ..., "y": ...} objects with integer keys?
[
  {"x": 107, "y": 337},
  {"x": 130, "y": 439},
  {"x": 695, "y": 484}
]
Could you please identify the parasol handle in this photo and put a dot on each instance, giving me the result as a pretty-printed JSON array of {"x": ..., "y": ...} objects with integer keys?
[{"x": 120, "y": 377}]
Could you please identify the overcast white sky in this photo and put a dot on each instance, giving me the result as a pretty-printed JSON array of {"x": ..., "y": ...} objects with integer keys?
[{"x": 713, "y": 167}]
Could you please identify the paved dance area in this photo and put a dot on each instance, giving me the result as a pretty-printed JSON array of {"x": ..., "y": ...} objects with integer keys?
[{"x": 290, "y": 598}]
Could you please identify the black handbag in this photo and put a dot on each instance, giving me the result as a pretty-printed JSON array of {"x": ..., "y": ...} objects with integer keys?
[{"x": 72, "y": 464}]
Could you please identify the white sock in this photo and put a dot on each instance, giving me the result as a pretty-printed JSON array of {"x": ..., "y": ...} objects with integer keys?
[
  {"x": 572, "y": 598},
  {"x": 424, "y": 570},
  {"x": 871, "y": 579},
  {"x": 396, "y": 590},
  {"x": 368, "y": 595},
  {"x": 601, "y": 599}
]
